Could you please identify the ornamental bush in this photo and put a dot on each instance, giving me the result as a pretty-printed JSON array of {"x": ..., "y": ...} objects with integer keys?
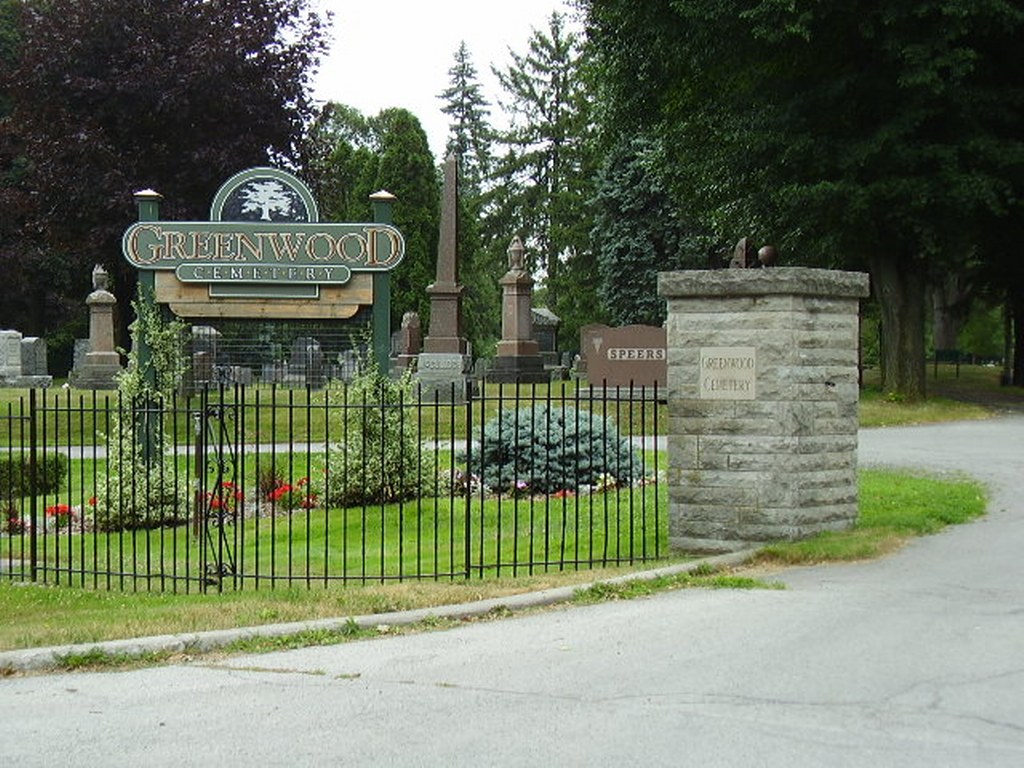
[
  {"x": 16, "y": 482},
  {"x": 379, "y": 458},
  {"x": 142, "y": 488},
  {"x": 545, "y": 449}
]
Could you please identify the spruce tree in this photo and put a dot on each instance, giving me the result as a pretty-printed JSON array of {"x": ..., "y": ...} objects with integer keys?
[
  {"x": 544, "y": 175},
  {"x": 470, "y": 138},
  {"x": 469, "y": 133}
]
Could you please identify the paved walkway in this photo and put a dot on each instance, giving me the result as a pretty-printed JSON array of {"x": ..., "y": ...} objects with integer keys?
[{"x": 913, "y": 660}]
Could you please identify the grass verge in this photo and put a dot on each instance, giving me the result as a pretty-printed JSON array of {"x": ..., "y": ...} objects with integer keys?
[{"x": 894, "y": 507}]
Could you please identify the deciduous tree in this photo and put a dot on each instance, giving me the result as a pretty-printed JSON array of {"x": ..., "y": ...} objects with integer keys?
[
  {"x": 848, "y": 132},
  {"x": 108, "y": 98}
]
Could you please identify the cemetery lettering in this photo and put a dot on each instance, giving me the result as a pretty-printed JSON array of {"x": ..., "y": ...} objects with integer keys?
[
  {"x": 353, "y": 246},
  {"x": 728, "y": 373},
  {"x": 642, "y": 353},
  {"x": 251, "y": 273}
]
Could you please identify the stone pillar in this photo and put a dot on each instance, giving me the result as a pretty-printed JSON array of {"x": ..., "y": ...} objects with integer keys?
[
  {"x": 445, "y": 360},
  {"x": 102, "y": 363},
  {"x": 518, "y": 355},
  {"x": 762, "y": 393}
]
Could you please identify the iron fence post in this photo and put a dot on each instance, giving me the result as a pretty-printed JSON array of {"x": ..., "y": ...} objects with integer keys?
[
  {"x": 198, "y": 495},
  {"x": 33, "y": 503},
  {"x": 468, "y": 543}
]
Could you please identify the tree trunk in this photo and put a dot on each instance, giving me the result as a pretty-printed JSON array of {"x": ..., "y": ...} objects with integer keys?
[
  {"x": 949, "y": 310},
  {"x": 899, "y": 284}
]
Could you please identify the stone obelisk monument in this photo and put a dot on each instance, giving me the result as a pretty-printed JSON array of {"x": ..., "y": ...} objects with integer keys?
[{"x": 444, "y": 363}]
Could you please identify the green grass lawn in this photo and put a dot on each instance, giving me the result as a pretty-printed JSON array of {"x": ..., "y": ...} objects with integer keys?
[
  {"x": 437, "y": 538},
  {"x": 893, "y": 507},
  {"x": 381, "y": 549},
  {"x": 970, "y": 392}
]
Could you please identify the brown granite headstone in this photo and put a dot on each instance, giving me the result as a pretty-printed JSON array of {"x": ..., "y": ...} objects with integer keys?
[
  {"x": 518, "y": 355},
  {"x": 406, "y": 343},
  {"x": 631, "y": 354}
]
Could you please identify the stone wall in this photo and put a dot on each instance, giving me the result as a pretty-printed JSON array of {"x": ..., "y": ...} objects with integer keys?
[{"x": 762, "y": 392}]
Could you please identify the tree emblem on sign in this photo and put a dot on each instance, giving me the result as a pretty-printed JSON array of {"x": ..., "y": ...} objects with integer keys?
[{"x": 268, "y": 196}]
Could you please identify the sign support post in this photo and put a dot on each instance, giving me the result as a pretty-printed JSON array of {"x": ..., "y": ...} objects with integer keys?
[
  {"x": 148, "y": 203},
  {"x": 382, "y": 203}
]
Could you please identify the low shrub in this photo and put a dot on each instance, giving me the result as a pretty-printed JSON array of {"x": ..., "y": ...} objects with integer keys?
[
  {"x": 140, "y": 491},
  {"x": 380, "y": 459},
  {"x": 545, "y": 449},
  {"x": 16, "y": 480}
]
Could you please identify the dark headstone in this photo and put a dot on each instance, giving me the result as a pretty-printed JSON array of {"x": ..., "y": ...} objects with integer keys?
[
  {"x": 307, "y": 361},
  {"x": 405, "y": 343}
]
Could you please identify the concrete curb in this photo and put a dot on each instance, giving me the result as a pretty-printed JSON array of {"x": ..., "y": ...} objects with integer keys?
[{"x": 38, "y": 659}]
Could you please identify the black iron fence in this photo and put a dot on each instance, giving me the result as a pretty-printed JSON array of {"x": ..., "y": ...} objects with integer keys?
[{"x": 250, "y": 488}]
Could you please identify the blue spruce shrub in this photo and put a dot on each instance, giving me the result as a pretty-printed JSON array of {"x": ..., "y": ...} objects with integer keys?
[{"x": 545, "y": 449}]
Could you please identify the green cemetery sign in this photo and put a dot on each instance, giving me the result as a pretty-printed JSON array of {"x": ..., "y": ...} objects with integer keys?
[
  {"x": 264, "y": 229},
  {"x": 273, "y": 253}
]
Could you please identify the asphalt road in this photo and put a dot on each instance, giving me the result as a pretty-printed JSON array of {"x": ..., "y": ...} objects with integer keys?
[{"x": 913, "y": 660}]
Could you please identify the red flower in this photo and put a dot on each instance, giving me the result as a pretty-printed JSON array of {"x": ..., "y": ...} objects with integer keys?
[{"x": 279, "y": 492}]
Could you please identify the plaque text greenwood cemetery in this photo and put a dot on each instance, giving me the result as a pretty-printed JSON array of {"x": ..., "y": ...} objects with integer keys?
[{"x": 728, "y": 373}]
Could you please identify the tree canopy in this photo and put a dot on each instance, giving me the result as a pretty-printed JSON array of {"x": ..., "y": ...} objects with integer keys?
[
  {"x": 543, "y": 175},
  {"x": 848, "y": 132},
  {"x": 170, "y": 96},
  {"x": 350, "y": 156}
]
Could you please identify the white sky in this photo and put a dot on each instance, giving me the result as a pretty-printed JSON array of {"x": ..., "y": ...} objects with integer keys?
[{"x": 397, "y": 53}]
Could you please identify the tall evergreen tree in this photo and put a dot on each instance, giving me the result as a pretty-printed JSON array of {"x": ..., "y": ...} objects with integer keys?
[
  {"x": 470, "y": 138},
  {"x": 469, "y": 133},
  {"x": 543, "y": 179},
  {"x": 406, "y": 169},
  {"x": 640, "y": 231}
]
